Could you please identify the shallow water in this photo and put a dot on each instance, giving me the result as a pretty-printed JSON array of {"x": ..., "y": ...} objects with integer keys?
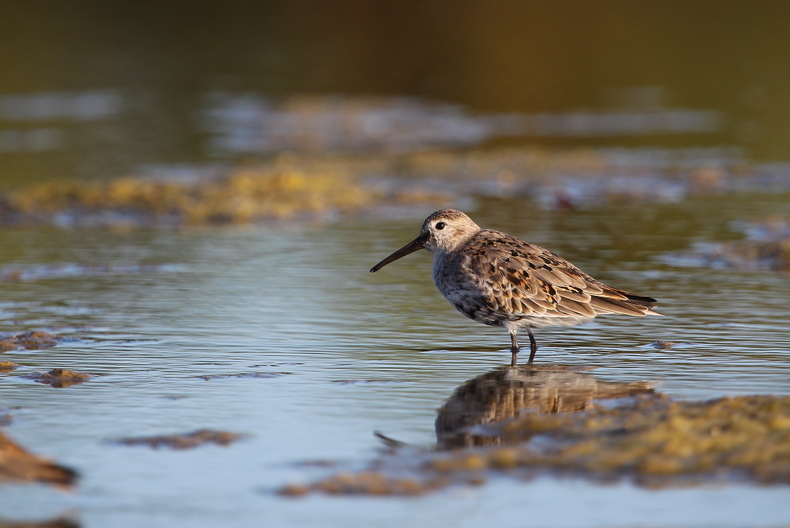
[{"x": 350, "y": 353}]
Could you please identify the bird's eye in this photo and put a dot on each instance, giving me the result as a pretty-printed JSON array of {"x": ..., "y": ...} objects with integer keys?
[{"x": 440, "y": 225}]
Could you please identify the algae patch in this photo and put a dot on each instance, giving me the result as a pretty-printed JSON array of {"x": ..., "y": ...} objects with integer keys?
[
  {"x": 525, "y": 422},
  {"x": 659, "y": 441},
  {"x": 185, "y": 440},
  {"x": 241, "y": 195},
  {"x": 291, "y": 187}
]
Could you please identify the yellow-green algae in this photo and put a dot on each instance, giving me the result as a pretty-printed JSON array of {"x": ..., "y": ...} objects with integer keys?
[
  {"x": 647, "y": 438},
  {"x": 244, "y": 195},
  {"x": 292, "y": 187},
  {"x": 651, "y": 436}
]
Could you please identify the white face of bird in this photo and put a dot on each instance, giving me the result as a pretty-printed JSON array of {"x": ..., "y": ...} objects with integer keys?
[{"x": 441, "y": 232}]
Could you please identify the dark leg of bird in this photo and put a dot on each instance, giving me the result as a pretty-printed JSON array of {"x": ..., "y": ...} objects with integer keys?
[
  {"x": 533, "y": 347},
  {"x": 513, "y": 350}
]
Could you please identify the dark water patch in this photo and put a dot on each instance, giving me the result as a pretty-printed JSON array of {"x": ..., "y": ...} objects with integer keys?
[
  {"x": 767, "y": 247},
  {"x": 62, "y": 270},
  {"x": 262, "y": 375},
  {"x": 273, "y": 365},
  {"x": 370, "y": 382},
  {"x": 59, "y": 377},
  {"x": 668, "y": 345},
  {"x": 184, "y": 440},
  {"x": 315, "y": 463},
  {"x": 743, "y": 255},
  {"x": 19, "y": 465},
  {"x": 107, "y": 342}
]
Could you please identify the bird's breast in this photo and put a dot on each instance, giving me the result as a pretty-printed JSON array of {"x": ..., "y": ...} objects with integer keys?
[{"x": 453, "y": 280}]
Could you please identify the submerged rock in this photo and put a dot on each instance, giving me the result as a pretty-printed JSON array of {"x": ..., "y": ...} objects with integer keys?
[
  {"x": 59, "y": 377},
  {"x": 32, "y": 340},
  {"x": 184, "y": 440},
  {"x": 767, "y": 247},
  {"x": 18, "y": 465},
  {"x": 8, "y": 366},
  {"x": 524, "y": 422}
]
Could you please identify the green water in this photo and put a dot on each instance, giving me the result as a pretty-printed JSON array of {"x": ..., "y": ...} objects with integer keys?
[{"x": 101, "y": 90}]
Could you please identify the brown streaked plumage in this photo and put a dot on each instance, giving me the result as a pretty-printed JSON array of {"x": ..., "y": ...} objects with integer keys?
[{"x": 499, "y": 280}]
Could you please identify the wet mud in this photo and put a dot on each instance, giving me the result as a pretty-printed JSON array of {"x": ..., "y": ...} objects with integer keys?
[
  {"x": 525, "y": 422},
  {"x": 184, "y": 440}
]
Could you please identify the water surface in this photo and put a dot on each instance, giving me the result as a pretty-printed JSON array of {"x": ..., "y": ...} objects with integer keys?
[{"x": 350, "y": 353}]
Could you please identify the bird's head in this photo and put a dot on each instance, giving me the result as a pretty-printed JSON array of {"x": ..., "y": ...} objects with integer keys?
[{"x": 442, "y": 232}]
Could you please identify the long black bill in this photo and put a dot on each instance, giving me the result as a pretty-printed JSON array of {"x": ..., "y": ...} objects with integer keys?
[{"x": 411, "y": 247}]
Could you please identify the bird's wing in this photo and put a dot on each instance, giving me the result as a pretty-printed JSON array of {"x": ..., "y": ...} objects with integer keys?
[{"x": 525, "y": 280}]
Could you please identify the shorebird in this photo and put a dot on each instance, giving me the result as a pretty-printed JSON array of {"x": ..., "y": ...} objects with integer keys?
[{"x": 499, "y": 280}]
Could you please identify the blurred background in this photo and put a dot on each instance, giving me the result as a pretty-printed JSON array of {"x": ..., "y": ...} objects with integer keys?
[{"x": 100, "y": 89}]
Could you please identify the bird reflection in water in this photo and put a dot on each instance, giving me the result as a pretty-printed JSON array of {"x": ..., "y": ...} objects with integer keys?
[{"x": 506, "y": 392}]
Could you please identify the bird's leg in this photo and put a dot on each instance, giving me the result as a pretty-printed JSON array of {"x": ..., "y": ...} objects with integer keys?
[
  {"x": 533, "y": 346},
  {"x": 514, "y": 349}
]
